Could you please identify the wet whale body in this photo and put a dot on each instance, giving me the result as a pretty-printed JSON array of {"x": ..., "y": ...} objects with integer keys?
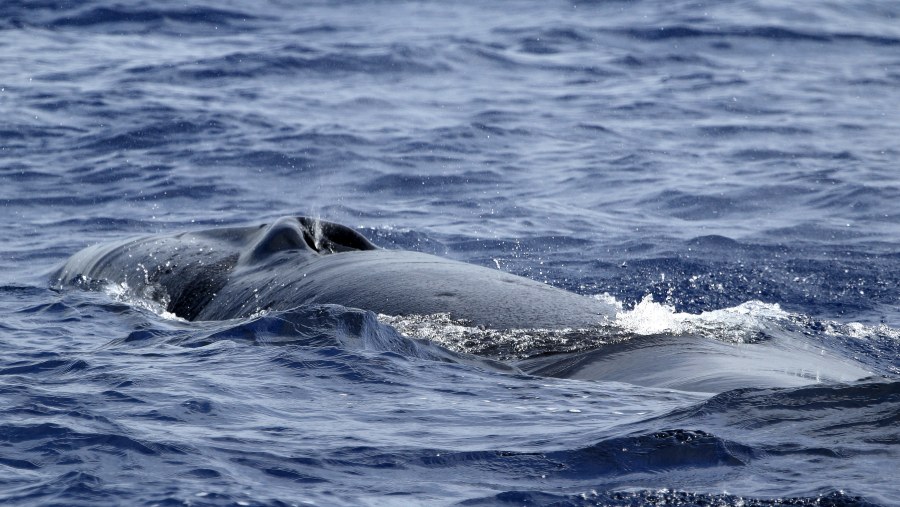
[{"x": 237, "y": 272}]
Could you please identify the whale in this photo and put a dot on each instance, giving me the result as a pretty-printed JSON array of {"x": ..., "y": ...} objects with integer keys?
[
  {"x": 228, "y": 273},
  {"x": 239, "y": 272}
]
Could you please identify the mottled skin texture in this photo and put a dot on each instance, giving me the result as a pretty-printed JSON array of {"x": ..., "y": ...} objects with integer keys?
[{"x": 236, "y": 272}]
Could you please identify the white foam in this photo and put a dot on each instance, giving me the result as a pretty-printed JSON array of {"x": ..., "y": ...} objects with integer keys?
[
  {"x": 736, "y": 324},
  {"x": 122, "y": 293},
  {"x": 747, "y": 322},
  {"x": 861, "y": 331}
]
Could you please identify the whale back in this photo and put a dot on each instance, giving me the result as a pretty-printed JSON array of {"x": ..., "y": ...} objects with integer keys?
[{"x": 236, "y": 272}]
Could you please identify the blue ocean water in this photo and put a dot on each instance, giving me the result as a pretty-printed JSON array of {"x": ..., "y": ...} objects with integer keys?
[{"x": 727, "y": 169}]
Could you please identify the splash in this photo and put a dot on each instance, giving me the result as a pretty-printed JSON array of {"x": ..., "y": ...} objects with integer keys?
[
  {"x": 745, "y": 323},
  {"x": 153, "y": 298},
  {"x": 508, "y": 344},
  {"x": 861, "y": 331}
]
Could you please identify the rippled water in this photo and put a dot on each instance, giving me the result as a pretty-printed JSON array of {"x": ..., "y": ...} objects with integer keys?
[{"x": 726, "y": 170}]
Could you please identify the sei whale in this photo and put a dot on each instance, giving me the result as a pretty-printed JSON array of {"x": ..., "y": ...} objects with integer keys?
[
  {"x": 229, "y": 273},
  {"x": 236, "y": 272}
]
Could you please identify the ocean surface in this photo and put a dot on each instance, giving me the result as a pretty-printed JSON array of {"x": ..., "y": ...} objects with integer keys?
[{"x": 724, "y": 169}]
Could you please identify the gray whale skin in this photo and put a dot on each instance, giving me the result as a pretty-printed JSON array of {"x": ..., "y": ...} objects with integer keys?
[{"x": 236, "y": 272}]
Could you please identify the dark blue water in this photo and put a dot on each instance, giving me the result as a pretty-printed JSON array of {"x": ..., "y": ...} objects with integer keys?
[{"x": 729, "y": 169}]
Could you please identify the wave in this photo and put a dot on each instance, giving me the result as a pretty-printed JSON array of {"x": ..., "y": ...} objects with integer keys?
[
  {"x": 662, "y": 497},
  {"x": 314, "y": 326},
  {"x": 293, "y": 60},
  {"x": 770, "y": 32},
  {"x": 402, "y": 183},
  {"x": 190, "y": 15},
  {"x": 749, "y": 434},
  {"x": 168, "y": 134},
  {"x": 135, "y": 19}
]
